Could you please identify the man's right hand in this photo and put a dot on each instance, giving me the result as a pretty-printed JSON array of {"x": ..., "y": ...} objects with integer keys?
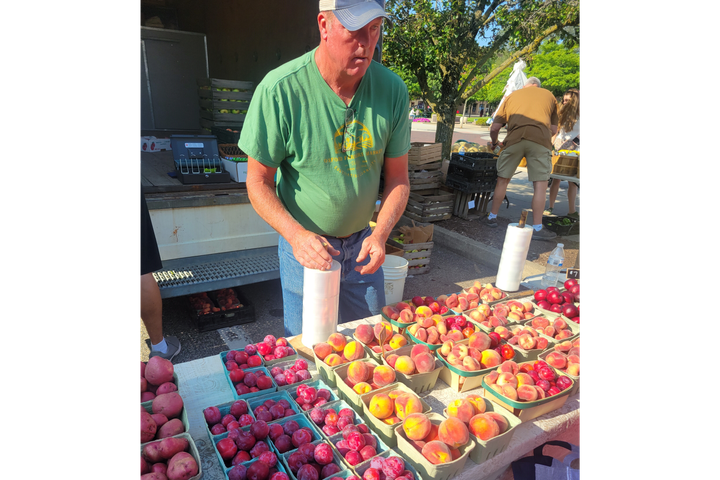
[{"x": 312, "y": 250}]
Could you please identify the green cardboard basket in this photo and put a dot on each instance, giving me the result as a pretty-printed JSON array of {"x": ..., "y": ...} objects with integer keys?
[
  {"x": 337, "y": 406},
  {"x": 317, "y": 384},
  {"x": 175, "y": 381},
  {"x": 192, "y": 450},
  {"x": 344, "y": 390},
  {"x": 326, "y": 371},
  {"x": 417, "y": 382},
  {"x": 224, "y": 410},
  {"x": 576, "y": 379},
  {"x": 183, "y": 417},
  {"x": 381, "y": 447},
  {"x": 278, "y": 395},
  {"x": 361, "y": 467},
  {"x": 337, "y": 458},
  {"x": 286, "y": 364}
]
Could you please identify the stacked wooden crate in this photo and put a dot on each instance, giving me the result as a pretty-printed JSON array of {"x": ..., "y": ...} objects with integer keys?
[
  {"x": 223, "y": 105},
  {"x": 429, "y": 201}
]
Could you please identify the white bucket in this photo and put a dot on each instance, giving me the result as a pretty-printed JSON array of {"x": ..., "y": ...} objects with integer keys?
[{"x": 395, "y": 270}]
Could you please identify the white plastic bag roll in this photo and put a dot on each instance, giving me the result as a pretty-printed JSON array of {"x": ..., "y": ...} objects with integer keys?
[
  {"x": 513, "y": 257},
  {"x": 321, "y": 297}
]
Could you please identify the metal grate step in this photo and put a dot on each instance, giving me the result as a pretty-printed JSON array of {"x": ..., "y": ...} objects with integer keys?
[{"x": 213, "y": 272}]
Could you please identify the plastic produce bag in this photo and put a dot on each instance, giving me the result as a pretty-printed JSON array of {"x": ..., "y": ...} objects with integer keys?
[
  {"x": 416, "y": 234},
  {"x": 543, "y": 467}
]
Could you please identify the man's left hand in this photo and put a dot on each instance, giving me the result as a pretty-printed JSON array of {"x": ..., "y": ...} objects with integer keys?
[{"x": 373, "y": 247}]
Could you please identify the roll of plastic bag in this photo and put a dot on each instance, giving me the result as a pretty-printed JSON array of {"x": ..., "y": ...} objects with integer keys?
[
  {"x": 513, "y": 257},
  {"x": 321, "y": 297}
]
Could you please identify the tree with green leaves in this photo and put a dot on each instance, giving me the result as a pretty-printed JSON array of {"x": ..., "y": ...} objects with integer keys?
[{"x": 439, "y": 40}]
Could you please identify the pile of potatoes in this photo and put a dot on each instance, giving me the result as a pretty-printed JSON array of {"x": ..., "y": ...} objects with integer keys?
[
  {"x": 164, "y": 421},
  {"x": 168, "y": 459}
]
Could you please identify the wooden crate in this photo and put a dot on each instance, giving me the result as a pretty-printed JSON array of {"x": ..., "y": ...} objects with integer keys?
[
  {"x": 427, "y": 166},
  {"x": 431, "y": 207},
  {"x": 418, "y": 262},
  {"x": 566, "y": 165},
  {"x": 422, "y": 153},
  {"x": 425, "y": 180}
]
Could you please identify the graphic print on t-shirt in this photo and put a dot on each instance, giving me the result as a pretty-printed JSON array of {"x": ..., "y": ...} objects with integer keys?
[{"x": 358, "y": 156}]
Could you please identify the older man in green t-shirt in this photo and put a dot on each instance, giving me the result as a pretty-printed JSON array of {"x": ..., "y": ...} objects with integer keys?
[{"x": 329, "y": 123}]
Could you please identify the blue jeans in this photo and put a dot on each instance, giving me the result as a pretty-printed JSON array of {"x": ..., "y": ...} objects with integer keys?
[{"x": 361, "y": 296}]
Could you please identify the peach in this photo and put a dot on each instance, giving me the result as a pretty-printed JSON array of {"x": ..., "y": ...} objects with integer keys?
[
  {"x": 524, "y": 379},
  {"x": 337, "y": 341},
  {"x": 362, "y": 388},
  {"x": 391, "y": 359},
  {"x": 364, "y": 333},
  {"x": 424, "y": 363},
  {"x": 397, "y": 341},
  {"x": 433, "y": 336},
  {"x": 437, "y": 452},
  {"x": 379, "y": 327},
  {"x": 500, "y": 420},
  {"x": 491, "y": 377},
  {"x": 391, "y": 312},
  {"x": 421, "y": 334},
  {"x": 528, "y": 307},
  {"x": 454, "y": 335},
  {"x": 540, "y": 392},
  {"x": 574, "y": 351},
  {"x": 559, "y": 324},
  {"x": 452, "y": 301},
  {"x": 556, "y": 359},
  {"x": 573, "y": 369},
  {"x": 475, "y": 353},
  {"x": 454, "y": 359},
  {"x": 573, "y": 359},
  {"x": 357, "y": 372},
  {"x": 496, "y": 321},
  {"x": 479, "y": 340},
  {"x": 405, "y": 364},
  {"x": 508, "y": 366},
  {"x": 433, "y": 435},
  {"x": 392, "y": 420},
  {"x": 425, "y": 322},
  {"x": 549, "y": 331},
  {"x": 333, "y": 360},
  {"x": 506, "y": 378},
  {"x": 503, "y": 332},
  {"x": 496, "y": 293},
  {"x": 412, "y": 329},
  {"x": 406, "y": 404},
  {"x": 471, "y": 364},
  {"x": 381, "y": 406},
  {"x": 526, "y": 341},
  {"x": 509, "y": 391},
  {"x": 484, "y": 427},
  {"x": 416, "y": 426},
  {"x": 563, "y": 334},
  {"x": 442, "y": 328},
  {"x": 383, "y": 375},
  {"x": 477, "y": 402},
  {"x": 477, "y": 315},
  {"x": 516, "y": 316},
  {"x": 484, "y": 309},
  {"x": 461, "y": 351},
  {"x": 423, "y": 311},
  {"x": 418, "y": 444},
  {"x": 403, "y": 306},
  {"x": 490, "y": 358},
  {"x": 446, "y": 348},
  {"x": 322, "y": 350},
  {"x": 417, "y": 349},
  {"x": 497, "y": 388},
  {"x": 353, "y": 351},
  {"x": 527, "y": 393},
  {"x": 540, "y": 322},
  {"x": 461, "y": 409},
  {"x": 406, "y": 316},
  {"x": 576, "y": 342},
  {"x": 463, "y": 304},
  {"x": 541, "y": 343},
  {"x": 396, "y": 393},
  {"x": 564, "y": 346},
  {"x": 453, "y": 432}
]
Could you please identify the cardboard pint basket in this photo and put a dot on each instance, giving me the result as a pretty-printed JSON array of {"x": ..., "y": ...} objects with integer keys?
[
  {"x": 380, "y": 448},
  {"x": 360, "y": 468},
  {"x": 461, "y": 380},
  {"x": 281, "y": 468},
  {"x": 174, "y": 380},
  {"x": 417, "y": 382},
  {"x": 337, "y": 459},
  {"x": 486, "y": 449},
  {"x": 345, "y": 391},
  {"x": 369, "y": 347},
  {"x": 531, "y": 355},
  {"x": 526, "y": 411},
  {"x": 192, "y": 450},
  {"x": 385, "y": 431},
  {"x": 576, "y": 379},
  {"x": 286, "y": 364},
  {"x": 273, "y": 387},
  {"x": 422, "y": 465},
  {"x": 183, "y": 418},
  {"x": 317, "y": 385},
  {"x": 224, "y": 410},
  {"x": 337, "y": 406},
  {"x": 276, "y": 396},
  {"x": 326, "y": 371},
  {"x": 303, "y": 422}
]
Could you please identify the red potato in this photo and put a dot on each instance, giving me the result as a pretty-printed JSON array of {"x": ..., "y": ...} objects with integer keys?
[
  {"x": 169, "y": 404},
  {"x": 171, "y": 446},
  {"x": 145, "y": 466},
  {"x": 142, "y": 369},
  {"x": 171, "y": 428},
  {"x": 147, "y": 396},
  {"x": 159, "y": 467},
  {"x": 160, "y": 420},
  {"x": 148, "y": 427},
  {"x": 153, "y": 476},
  {"x": 143, "y": 384},
  {"x": 152, "y": 453},
  {"x": 182, "y": 466},
  {"x": 159, "y": 370},
  {"x": 166, "y": 387}
]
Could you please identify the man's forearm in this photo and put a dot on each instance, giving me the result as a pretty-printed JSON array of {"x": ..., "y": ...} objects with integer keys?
[
  {"x": 494, "y": 132},
  {"x": 395, "y": 197},
  {"x": 267, "y": 204}
]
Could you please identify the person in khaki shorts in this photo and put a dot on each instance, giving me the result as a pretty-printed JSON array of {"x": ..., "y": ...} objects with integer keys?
[{"x": 531, "y": 117}]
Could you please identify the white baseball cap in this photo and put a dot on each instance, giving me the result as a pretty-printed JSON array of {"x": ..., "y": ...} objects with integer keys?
[{"x": 355, "y": 14}]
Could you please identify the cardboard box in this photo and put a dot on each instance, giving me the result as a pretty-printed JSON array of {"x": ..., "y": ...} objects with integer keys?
[{"x": 237, "y": 170}]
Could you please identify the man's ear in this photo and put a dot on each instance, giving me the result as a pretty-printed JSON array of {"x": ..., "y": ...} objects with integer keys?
[{"x": 323, "y": 25}]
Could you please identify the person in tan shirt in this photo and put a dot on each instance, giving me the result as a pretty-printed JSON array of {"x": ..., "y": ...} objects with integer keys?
[{"x": 531, "y": 117}]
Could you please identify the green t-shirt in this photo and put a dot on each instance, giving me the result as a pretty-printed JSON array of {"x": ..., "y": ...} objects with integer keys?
[{"x": 296, "y": 123}]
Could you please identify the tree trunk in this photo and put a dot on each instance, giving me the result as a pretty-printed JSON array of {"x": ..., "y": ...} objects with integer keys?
[{"x": 445, "y": 128}]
